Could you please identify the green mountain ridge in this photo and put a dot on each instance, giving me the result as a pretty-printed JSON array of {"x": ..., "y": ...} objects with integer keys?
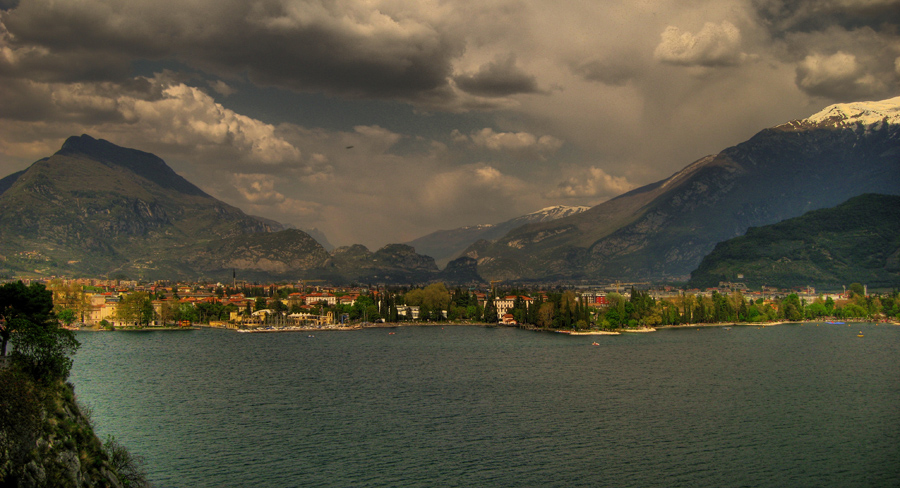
[
  {"x": 77, "y": 211},
  {"x": 856, "y": 241},
  {"x": 96, "y": 209}
]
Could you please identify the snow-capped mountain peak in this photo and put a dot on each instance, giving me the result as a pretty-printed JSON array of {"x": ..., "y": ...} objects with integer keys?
[
  {"x": 863, "y": 113},
  {"x": 554, "y": 212}
]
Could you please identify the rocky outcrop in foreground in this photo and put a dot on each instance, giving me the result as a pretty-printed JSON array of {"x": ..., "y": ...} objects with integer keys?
[{"x": 46, "y": 440}]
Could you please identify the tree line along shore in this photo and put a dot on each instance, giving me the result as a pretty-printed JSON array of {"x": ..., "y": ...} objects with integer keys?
[{"x": 303, "y": 307}]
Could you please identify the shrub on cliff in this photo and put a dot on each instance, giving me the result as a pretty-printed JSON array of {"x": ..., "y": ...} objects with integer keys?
[
  {"x": 129, "y": 467},
  {"x": 20, "y": 419}
]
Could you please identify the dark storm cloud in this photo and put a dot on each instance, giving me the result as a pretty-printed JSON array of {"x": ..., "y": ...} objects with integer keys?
[
  {"x": 499, "y": 78},
  {"x": 785, "y": 16},
  {"x": 39, "y": 65},
  {"x": 614, "y": 73},
  {"x": 844, "y": 50},
  {"x": 335, "y": 47}
]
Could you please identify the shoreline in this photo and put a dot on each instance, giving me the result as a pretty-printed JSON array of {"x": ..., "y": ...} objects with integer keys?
[
  {"x": 371, "y": 325},
  {"x": 137, "y": 329},
  {"x": 295, "y": 329},
  {"x": 387, "y": 325},
  {"x": 589, "y": 333},
  {"x": 773, "y": 324}
]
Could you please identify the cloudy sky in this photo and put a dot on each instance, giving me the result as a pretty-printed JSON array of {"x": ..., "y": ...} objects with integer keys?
[{"x": 379, "y": 121}]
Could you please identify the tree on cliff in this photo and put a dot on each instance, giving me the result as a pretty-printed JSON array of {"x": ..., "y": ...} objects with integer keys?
[
  {"x": 44, "y": 351},
  {"x": 41, "y": 347},
  {"x": 20, "y": 306}
]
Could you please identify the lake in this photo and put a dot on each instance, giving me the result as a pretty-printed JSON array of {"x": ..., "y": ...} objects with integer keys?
[{"x": 791, "y": 405}]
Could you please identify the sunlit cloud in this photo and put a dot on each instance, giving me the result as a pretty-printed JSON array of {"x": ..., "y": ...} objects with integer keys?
[
  {"x": 839, "y": 75},
  {"x": 518, "y": 143},
  {"x": 713, "y": 45},
  {"x": 593, "y": 183}
]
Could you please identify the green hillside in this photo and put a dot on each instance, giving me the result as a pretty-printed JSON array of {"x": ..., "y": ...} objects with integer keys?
[
  {"x": 97, "y": 209},
  {"x": 857, "y": 241}
]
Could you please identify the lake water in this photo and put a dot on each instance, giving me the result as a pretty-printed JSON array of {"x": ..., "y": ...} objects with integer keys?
[{"x": 792, "y": 405}]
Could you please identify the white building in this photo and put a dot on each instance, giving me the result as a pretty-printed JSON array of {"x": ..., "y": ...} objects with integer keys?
[{"x": 314, "y": 298}]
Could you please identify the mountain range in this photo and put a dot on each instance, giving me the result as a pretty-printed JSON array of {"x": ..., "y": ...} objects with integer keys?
[
  {"x": 857, "y": 241},
  {"x": 97, "y": 209},
  {"x": 445, "y": 245},
  {"x": 662, "y": 231}
]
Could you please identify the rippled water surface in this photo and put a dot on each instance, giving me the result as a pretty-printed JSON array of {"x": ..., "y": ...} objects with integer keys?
[{"x": 793, "y": 405}]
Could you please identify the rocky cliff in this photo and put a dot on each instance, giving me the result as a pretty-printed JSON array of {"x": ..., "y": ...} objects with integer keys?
[{"x": 48, "y": 441}]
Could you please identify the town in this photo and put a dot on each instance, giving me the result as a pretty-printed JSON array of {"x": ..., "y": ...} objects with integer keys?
[{"x": 314, "y": 305}]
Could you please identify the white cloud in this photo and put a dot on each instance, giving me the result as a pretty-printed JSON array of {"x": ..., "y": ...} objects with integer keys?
[
  {"x": 259, "y": 196},
  {"x": 714, "y": 45},
  {"x": 839, "y": 76},
  {"x": 594, "y": 183},
  {"x": 514, "y": 140},
  {"x": 516, "y": 143},
  {"x": 188, "y": 117},
  {"x": 257, "y": 188},
  {"x": 817, "y": 69},
  {"x": 377, "y": 138},
  {"x": 183, "y": 118},
  {"x": 222, "y": 88},
  {"x": 477, "y": 190}
]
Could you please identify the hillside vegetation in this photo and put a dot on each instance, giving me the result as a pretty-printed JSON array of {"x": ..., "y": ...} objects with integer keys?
[
  {"x": 857, "y": 241},
  {"x": 46, "y": 437}
]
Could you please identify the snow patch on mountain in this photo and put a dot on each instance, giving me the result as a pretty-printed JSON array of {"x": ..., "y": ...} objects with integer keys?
[
  {"x": 863, "y": 113},
  {"x": 555, "y": 212}
]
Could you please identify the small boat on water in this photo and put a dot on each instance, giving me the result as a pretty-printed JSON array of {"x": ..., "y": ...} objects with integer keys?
[
  {"x": 595, "y": 344},
  {"x": 726, "y": 328},
  {"x": 835, "y": 323},
  {"x": 860, "y": 334}
]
